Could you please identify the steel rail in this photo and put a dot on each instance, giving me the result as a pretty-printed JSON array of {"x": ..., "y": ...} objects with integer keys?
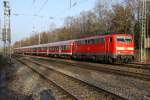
[
  {"x": 104, "y": 68},
  {"x": 63, "y": 90},
  {"x": 115, "y": 96},
  {"x": 101, "y": 67}
]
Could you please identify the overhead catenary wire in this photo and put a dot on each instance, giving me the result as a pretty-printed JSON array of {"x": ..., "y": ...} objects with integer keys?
[
  {"x": 31, "y": 7},
  {"x": 34, "y": 1},
  {"x": 77, "y": 3},
  {"x": 71, "y": 6},
  {"x": 43, "y": 4},
  {"x": 42, "y": 7},
  {"x": 39, "y": 16}
]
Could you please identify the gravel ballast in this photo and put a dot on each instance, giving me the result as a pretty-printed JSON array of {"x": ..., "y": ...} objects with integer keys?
[
  {"x": 128, "y": 87},
  {"x": 23, "y": 84}
]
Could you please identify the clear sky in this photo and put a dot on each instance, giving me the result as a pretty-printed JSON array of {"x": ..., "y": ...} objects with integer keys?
[{"x": 24, "y": 25}]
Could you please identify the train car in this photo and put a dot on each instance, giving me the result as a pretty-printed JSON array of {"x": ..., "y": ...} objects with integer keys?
[
  {"x": 60, "y": 49},
  {"x": 109, "y": 48}
]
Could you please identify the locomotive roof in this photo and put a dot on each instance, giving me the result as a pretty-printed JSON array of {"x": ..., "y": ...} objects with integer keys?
[{"x": 103, "y": 35}]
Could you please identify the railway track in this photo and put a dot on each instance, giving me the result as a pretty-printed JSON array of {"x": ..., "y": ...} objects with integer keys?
[
  {"x": 132, "y": 70},
  {"x": 135, "y": 70},
  {"x": 76, "y": 88},
  {"x": 138, "y": 65},
  {"x": 61, "y": 93},
  {"x": 126, "y": 70}
]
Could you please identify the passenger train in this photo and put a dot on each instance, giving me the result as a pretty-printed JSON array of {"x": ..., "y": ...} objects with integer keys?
[{"x": 109, "y": 48}]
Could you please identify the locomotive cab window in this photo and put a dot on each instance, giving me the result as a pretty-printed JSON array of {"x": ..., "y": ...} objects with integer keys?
[
  {"x": 120, "y": 39},
  {"x": 124, "y": 39},
  {"x": 128, "y": 39}
]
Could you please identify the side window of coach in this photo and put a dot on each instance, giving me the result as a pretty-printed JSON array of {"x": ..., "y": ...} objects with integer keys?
[
  {"x": 93, "y": 41},
  {"x": 86, "y": 41},
  {"x": 97, "y": 40},
  {"x": 102, "y": 40},
  {"x": 79, "y": 42}
]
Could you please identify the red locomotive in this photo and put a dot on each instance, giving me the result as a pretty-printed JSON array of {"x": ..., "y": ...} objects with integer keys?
[{"x": 109, "y": 48}]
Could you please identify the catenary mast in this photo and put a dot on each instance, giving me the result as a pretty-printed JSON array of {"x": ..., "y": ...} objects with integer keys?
[
  {"x": 142, "y": 16},
  {"x": 6, "y": 34}
]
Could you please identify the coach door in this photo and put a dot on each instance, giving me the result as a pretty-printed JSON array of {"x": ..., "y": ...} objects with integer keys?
[{"x": 107, "y": 46}]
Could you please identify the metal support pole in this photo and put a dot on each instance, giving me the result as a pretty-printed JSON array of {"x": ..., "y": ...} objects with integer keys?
[
  {"x": 147, "y": 28},
  {"x": 9, "y": 39},
  {"x": 70, "y": 3},
  {"x": 142, "y": 4},
  {"x": 39, "y": 38},
  {"x": 7, "y": 29}
]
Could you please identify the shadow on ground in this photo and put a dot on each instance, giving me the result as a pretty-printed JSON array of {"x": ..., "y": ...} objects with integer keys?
[{"x": 8, "y": 94}]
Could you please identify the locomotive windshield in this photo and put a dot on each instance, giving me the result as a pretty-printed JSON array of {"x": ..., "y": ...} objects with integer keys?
[
  {"x": 128, "y": 39},
  {"x": 124, "y": 39}
]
